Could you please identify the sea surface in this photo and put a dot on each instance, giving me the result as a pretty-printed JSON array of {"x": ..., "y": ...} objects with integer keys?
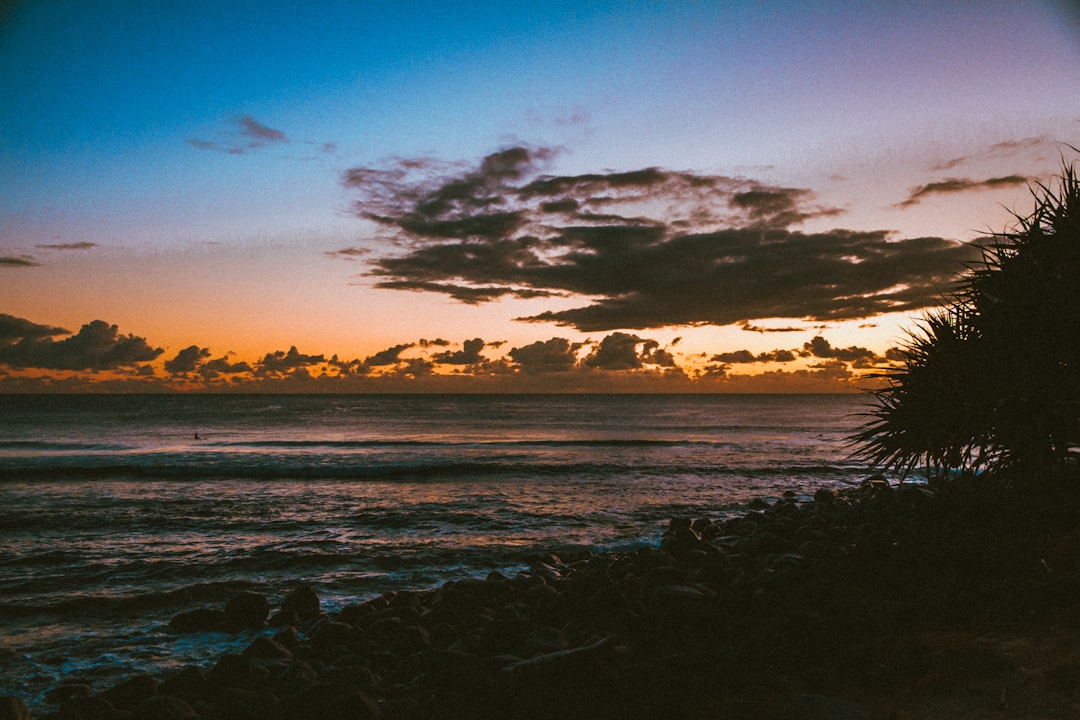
[{"x": 118, "y": 512}]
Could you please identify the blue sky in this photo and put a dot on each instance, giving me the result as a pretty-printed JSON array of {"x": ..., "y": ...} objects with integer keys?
[{"x": 160, "y": 158}]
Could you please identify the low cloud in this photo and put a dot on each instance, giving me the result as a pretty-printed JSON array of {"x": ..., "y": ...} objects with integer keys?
[
  {"x": 621, "y": 351},
  {"x": 545, "y": 356},
  {"x": 819, "y": 347},
  {"x": 745, "y": 356},
  {"x": 959, "y": 185},
  {"x": 389, "y": 356},
  {"x": 651, "y": 247},
  {"x": 187, "y": 360},
  {"x": 468, "y": 355},
  {"x": 21, "y": 261},
  {"x": 68, "y": 246},
  {"x": 1004, "y": 149},
  {"x": 97, "y": 346},
  {"x": 284, "y": 363}
]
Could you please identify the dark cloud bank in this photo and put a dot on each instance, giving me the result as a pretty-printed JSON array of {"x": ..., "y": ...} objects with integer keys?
[
  {"x": 99, "y": 356},
  {"x": 651, "y": 247}
]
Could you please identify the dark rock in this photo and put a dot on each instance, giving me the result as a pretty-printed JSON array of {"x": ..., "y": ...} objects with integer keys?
[
  {"x": 239, "y": 704},
  {"x": 246, "y": 611},
  {"x": 88, "y": 708},
  {"x": 237, "y": 671},
  {"x": 164, "y": 707},
  {"x": 67, "y": 691},
  {"x": 131, "y": 692},
  {"x": 303, "y": 602},
  {"x": 268, "y": 648},
  {"x": 353, "y": 706},
  {"x": 13, "y": 708},
  {"x": 824, "y": 496},
  {"x": 188, "y": 683}
]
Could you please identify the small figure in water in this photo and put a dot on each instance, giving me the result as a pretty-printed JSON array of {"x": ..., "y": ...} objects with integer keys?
[{"x": 197, "y": 436}]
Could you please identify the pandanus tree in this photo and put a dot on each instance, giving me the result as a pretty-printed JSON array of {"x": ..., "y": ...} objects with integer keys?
[{"x": 991, "y": 380}]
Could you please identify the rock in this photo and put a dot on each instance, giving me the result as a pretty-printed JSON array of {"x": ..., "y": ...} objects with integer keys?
[
  {"x": 13, "y": 708},
  {"x": 824, "y": 496},
  {"x": 238, "y": 704},
  {"x": 353, "y": 706},
  {"x": 131, "y": 692},
  {"x": 303, "y": 602},
  {"x": 164, "y": 707},
  {"x": 67, "y": 691},
  {"x": 196, "y": 621},
  {"x": 188, "y": 683},
  {"x": 246, "y": 611},
  {"x": 268, "y": 649}
]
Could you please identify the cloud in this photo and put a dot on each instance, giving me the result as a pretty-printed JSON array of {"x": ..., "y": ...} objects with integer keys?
[
  {"x": 749, "y": 327},
  {"x": 745, "y": 356},
  {"x": 958, "y": 185},
  {"x": 97, "y": 346},
  {"x": 1004, "y": 149},
  {"x": 283, "y": 363},
  {"x": 69, "y": 246},
  {"x": 819, "y": 347},
  {"x": 545, "y": 356},
  {"x": 247, "y": 134},
  {"x": 349, "y": 253},
  {"x": 186, "y": 360},
  {"x": 649, "y": 247},
  {"x": 211, "y": 369},
  {"x": 14, "y": 328},
  {"x": 22, "y": 261},
  {"x": 622, "y": 351},
  {"x": 468, "y": 355},
  {"x": 258, "y": 133},
  {"x": 389, "y": 356}
]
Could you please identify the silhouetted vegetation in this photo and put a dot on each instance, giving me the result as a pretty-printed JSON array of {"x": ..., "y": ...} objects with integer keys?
[{"x": 991, "y": 381}]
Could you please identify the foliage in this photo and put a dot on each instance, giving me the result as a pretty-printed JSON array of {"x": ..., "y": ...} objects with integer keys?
[{"x": 991, "y": 381}]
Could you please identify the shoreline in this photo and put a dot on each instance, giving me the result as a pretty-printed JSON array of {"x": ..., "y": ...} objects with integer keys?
[{"x": 881, "y": 601}]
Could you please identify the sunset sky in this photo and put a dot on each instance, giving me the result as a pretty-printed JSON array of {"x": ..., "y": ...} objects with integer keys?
[{"x": 492, "y": 196}]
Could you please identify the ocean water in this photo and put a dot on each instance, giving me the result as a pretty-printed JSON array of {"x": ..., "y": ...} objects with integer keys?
[{"x": 118, "y": 512}]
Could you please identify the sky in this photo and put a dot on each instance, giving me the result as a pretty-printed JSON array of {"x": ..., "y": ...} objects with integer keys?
[{"x": 552, "y": 196}]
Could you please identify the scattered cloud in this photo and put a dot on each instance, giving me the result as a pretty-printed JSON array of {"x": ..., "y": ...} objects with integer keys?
[
  {"x": 745, "y": 356},
  {"x": 749, "y": 327},
  {"x": 21, "y": 261},
  {"x": 187, "y": 360},
  {"x": 13, "y": 329},
  {"x": 389, "y": 356},
  {"x": 349, "y": 253},
  {"x": 468, "y": 355},
  {"x": 860, "y": 357},
  {"x": 246, "y": 134},
  {"x": 97, "y": 346},
  {"x": 621, "y": 351},
  {"x": 650, "y": 247},
  {"x": 1004, "y": 149},
  {"x": 283, "y": 363},
  {"x": 545, "y": 356},
  {"x": 68, "y": 246},
  {"x": 958, "y": 185},
  {"x": 259, "y": 134}
]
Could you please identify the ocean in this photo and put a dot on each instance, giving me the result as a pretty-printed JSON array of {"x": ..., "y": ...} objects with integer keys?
[{"x": 117, "y": 512}]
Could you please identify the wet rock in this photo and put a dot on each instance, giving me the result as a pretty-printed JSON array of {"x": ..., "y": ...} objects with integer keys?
[
  {"x": 188, "y": 683},
  {"x": 824, "y": 496},
  {"x": 303, "y": 602},
  {"x": 246, "y": 611}
]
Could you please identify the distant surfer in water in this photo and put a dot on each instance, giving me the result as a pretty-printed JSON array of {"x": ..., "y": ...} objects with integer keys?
[{"x": 197, "y": 436}]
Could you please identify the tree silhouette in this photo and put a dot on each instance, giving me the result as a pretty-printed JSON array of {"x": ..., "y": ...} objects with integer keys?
[{"x": 991, "y": 381}]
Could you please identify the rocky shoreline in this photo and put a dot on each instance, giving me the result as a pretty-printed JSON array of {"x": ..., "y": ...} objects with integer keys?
[{"x": 950, "y": 600}]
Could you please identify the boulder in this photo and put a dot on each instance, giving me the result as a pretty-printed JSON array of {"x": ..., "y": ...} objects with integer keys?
[
  {"x": 196, "y": 621},
  {"x": 246, "y": 611}
]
